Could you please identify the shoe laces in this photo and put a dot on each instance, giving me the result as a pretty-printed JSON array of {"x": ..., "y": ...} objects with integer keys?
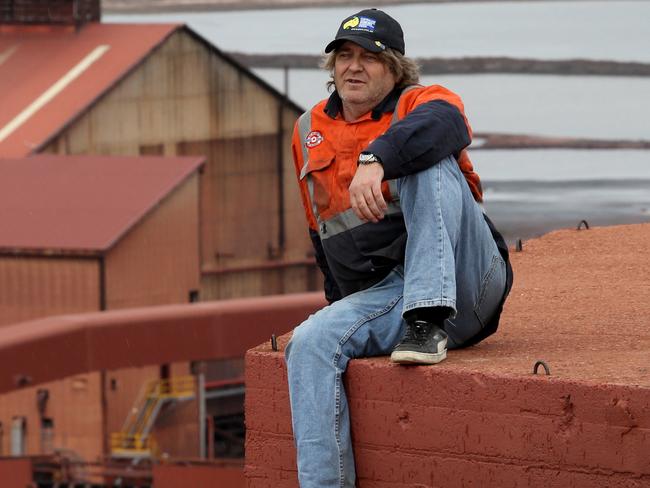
[{"x": 417, "y": 331}]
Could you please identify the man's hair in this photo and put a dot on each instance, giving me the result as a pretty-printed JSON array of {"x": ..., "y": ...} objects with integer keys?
[{"x": 406, "y": 70}]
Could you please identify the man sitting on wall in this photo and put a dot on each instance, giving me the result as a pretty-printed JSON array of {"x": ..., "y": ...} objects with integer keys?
[{"x": 412, "y": 265}]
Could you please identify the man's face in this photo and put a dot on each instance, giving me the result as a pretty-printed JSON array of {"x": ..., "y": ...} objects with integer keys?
[{"x": 361, "y": 78}]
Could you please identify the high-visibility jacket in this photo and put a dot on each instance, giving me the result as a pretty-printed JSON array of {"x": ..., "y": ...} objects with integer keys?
[{"x": 410, "y": 130}]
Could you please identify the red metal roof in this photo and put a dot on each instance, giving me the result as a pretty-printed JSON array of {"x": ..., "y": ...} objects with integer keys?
[
  {"x": 49, "y": 74},
  {"x": 81, "y": 203}
]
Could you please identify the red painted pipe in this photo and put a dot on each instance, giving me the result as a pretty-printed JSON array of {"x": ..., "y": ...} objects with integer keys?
[{"x": 47, "y": 349}]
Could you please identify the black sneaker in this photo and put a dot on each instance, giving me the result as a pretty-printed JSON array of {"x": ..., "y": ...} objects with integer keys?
[{"x": 423, "y": 343}]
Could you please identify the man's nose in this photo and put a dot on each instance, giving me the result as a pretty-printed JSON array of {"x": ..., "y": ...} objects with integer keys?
[{"x": 356, "y": 65}]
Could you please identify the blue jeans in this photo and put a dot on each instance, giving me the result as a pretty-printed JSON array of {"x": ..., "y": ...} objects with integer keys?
[{"x": 451, "y": 260}]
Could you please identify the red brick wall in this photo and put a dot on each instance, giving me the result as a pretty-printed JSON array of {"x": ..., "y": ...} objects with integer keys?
[
  {"x": 198, "y": 476},
  {"x": 429, "y": 427}
]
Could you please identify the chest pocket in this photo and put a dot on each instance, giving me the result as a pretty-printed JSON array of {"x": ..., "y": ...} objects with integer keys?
[{"x": 319, "y": 176}]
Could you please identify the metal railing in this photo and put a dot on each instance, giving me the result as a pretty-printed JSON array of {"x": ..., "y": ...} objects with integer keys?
[{"x": 134, "y": 439}]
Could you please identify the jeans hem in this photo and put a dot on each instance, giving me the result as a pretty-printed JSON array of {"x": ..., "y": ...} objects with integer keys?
[{"x": 438, "y": 302}]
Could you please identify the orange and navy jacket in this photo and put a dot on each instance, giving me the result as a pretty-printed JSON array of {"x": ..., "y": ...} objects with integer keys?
[{"x": 410, "y": 130}]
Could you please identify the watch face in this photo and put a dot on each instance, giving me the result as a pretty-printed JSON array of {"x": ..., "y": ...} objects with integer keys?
[{"x": 367, "y": 158}]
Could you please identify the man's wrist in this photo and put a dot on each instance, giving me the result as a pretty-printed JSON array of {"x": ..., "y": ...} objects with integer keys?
[{"x": 368, "y": 158}]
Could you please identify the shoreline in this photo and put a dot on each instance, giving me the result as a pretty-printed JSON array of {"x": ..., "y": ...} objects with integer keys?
[
  {"x": 496, "y": 140},
  {"x": 469, "y": 65},
  {"x": 529, "y": 209}
]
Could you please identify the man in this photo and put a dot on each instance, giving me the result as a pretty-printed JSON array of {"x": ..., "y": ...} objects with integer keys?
[{"x": 412, "y": 266}]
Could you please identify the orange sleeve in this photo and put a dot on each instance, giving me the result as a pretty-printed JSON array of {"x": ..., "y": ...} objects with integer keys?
[{"x": 296, "y": 151}]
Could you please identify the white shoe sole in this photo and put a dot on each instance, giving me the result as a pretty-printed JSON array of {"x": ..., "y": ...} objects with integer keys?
[{"x": 413, "y": 357}]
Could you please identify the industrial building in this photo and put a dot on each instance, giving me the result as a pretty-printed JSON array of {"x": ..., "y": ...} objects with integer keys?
[
  {"x": 87, "y": 233},
  {"x": 68, "y": 87},
  {"x": 139, "y": 166},
  {"x": 92, "y": 233}
]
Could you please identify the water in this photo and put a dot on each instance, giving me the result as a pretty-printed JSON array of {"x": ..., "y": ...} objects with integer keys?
[
  {"x": 530, "y": 192},
  {"x": 545, "y": 30},
  {"x": 601, "y": 107},
  {"x": 555, "y": 165},
  {"x": 524, "y": 209}
]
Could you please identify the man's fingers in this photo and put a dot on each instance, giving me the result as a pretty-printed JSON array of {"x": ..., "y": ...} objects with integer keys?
[
  {"x": 374, "y": 205},
  {"x": 363, "y": 211},
  {"x": 367, "y": 208},
  {"x": 379, "y": 198},
  {"x": 366, "y": 198}
]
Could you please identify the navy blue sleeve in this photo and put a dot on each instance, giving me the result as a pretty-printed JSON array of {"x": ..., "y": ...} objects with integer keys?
[
  {"x": 332, "y": 291},
  {"x": 426, "y": 135}
]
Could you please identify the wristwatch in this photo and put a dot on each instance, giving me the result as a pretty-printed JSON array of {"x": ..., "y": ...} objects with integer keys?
[{"x": 368, "y": 158}]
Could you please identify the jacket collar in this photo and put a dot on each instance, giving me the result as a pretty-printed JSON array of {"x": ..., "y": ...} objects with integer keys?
[{"x": 334, "y": 104}]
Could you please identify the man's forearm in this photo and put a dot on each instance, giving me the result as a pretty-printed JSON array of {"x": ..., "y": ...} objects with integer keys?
[{"x": 428, "y": 134}]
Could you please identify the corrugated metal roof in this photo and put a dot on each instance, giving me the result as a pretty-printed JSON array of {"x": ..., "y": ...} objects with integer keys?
[
  {"x": 81, "y": 204},
  {"x": 49, "y": 74}
]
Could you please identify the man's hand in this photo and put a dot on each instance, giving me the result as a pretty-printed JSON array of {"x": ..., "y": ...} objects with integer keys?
[{"x": 365, "y": 193}]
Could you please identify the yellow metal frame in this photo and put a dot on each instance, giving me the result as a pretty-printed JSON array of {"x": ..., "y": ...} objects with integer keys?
[{"x": 133, "y": 440}]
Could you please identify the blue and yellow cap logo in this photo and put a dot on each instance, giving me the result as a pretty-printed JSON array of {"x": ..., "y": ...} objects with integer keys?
[{"x": 360, "y": 24}]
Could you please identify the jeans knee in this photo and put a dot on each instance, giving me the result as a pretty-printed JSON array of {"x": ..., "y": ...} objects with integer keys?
[
  {"x": 305, "y": 341},
  {"x": 444, "y": 174}
]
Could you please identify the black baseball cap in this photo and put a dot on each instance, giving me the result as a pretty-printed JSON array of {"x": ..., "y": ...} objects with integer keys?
[{"x": 371, "y": 29}]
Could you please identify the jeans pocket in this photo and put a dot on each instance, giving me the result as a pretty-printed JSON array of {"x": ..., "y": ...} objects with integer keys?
[{"x": 491, "y": 292}]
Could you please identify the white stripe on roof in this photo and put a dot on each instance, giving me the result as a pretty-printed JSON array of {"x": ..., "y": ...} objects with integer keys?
[
  {"x": 7, "y": 53},
  {"x": 53, "y": 91}
]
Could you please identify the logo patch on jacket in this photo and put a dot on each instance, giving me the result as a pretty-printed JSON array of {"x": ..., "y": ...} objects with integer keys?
[{"x": 313, "y": 139}]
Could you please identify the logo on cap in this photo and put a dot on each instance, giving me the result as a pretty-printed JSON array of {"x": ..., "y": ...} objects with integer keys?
[
  {"x": 366, "y": 23},
  {"x": 360, "y": 24},
  {"x": 353, "y": 22},
  {"x": 313, "y": 139}
]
